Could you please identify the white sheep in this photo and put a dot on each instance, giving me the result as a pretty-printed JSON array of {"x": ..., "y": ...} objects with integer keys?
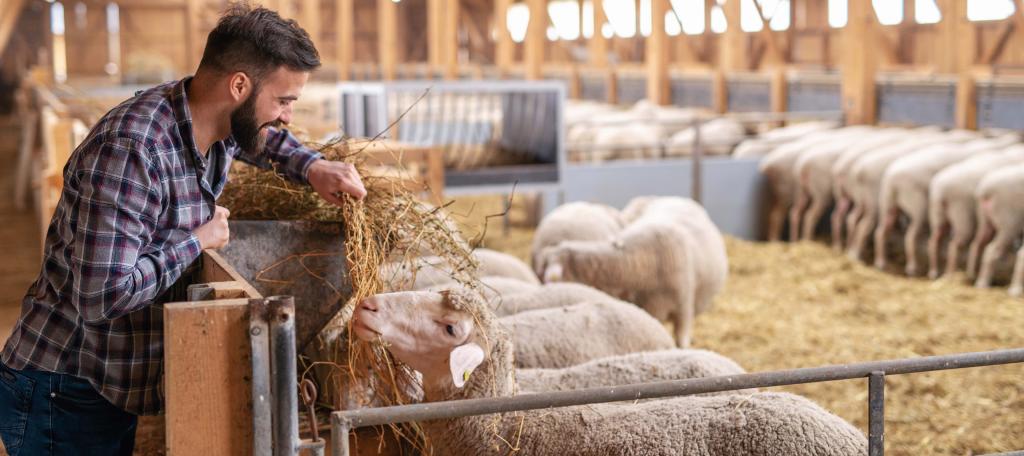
[
  {"x": 717, "y": 136},
  {"x": 463, "y": 353},
  {"x": 425, "y": 272},
  {"x": 634, "y": 140},
  {"x": 840, "y": 170},
  {"x": 673, "y": 364},
  {"x": 1000, "y": 196},
  {"x": 777, "y": 167},
  {"x": 865, "y": 180},
  {"x": 549, "y": 295},
  {"x": 952, "y": 207},
  {"x": 580, "y": 221},
  {"x": 904, "y": 190},
  {"x": 574, "y": 334},
  {"x": 765, "y": 142},
  {"x": 814, "y": 180},
  {"x": 670, "y": 258}
]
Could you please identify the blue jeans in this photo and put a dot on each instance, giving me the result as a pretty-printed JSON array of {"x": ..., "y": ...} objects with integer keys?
[{"x": 42, "y": 413}]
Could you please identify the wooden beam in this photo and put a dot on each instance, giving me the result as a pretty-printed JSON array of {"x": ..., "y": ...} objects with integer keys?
[
  {"x": 10, "y": 11},
  {"x": 450, "y": 38},
  {"x": 344, "y": 30},
  {"x": 505, "y": 47},
  {"x": 997, "y": 46},
  {"x": 286, "y": 9},
  {"x": 207, "y": 377},
  {"x": 597, "y": 46},
  {"x": 656, "y": 54},
  {"x": 387, "y": 38},
  {"x": 194, "y": 42},
  {"x": 859, "y": 64},
  {"x": 779, "y": 88},
  {"x": 773, "y": 52},
  {"x": 536, "y": 38},
  {"x": 732, "y": 45},
  {"x": 435, "y": 25},
  {"x": 310, "y": 19}
]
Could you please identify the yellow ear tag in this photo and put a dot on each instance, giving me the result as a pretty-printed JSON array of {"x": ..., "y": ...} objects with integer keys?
[{"x": 465, "y": 376}]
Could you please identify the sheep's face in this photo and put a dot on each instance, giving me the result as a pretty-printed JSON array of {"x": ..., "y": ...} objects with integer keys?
[
  {"x": 553, "y": 265},
  {"x": 424, "y": 329}
]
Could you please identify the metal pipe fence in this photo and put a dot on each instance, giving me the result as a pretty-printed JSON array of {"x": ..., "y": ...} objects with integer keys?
[{"x": 345, "y": 420}]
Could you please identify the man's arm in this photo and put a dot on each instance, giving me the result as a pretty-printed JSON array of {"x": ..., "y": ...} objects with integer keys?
[
  {"x": 287, "y": 152},
  {"x": 119, "y": 203}
]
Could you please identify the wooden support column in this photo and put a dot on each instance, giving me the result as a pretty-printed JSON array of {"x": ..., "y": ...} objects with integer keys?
[
  {"x": 732, "y": 52},
  {"x": 193, "y": 36},
  {"x": 344, "y": 30},
  {"x": 387, "y": 38},
  {"x": 959, "y": 36},
  {"x": 536, "y": 38},
  {"x": 859, "y": 64},
  {"x": 435, "y": 42},
  {"x": 504, "y": 53},
  {"x": 656, "y": 54},
  {"x": 310, "y": 19},
  {"x": 10, "y": 11},
  {"x": 597, "y": 47},
  {"x": 450, "y": 38}
]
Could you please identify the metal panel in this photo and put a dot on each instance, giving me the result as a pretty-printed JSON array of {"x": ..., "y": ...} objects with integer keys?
[
  {"x": 814, "y": 95},
  {"x": 594, "y": 87},
  {"x": 1001, "y": 105},
  {"x": 917, "y": 102},
  {"x": 749, "y": 94},
  {"x": 691, "y": 91},
  {"x": 630, "y": 88},
  {"x": 732, "y": 190},
  {"x": 511, "y": 129}
]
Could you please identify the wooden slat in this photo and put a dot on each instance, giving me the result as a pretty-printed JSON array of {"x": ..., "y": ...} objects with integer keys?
[
  {"x": 435, "y": 40},
  {"x": 732, "y": 45},
  {"x": 216, "y": 269},
  {"x": 657, "y": 54},
  {"x": 207, "y": 372},
  {"x": 387, "y": 38},
  {"x": 598, "y": 44},
  {"x": 536, "y": 37},
  {"x": 450, "y": 38},
  {"x": 344, "y": 31},
  {"x": 859, "y": 64},
  {"x": 504, "y": 53}
]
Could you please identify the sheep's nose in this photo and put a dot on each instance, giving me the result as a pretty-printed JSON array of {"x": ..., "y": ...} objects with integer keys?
[{"x": 369, "y": 304}]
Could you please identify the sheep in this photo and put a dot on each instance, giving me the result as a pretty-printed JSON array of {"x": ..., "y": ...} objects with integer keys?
[
  {"x": 550, "y": 295},
  {"x": 671, "y": 257},
  {"x": 718, "y": 137},
  {"x": 1001, "y": 218},
  {"x": 429, "y": 271},
  {"x": 777, "y": 167},
  {"x": 674, "y": 364},
  {"x": 630, "y": 141},
  {"x": 765, "y": 142},
  {"x": 905, "y": 190},
  {"x": 570, "y": 335},
  {"x": 865, "y": 177},
  {"x": 463, "y": 353},
  {"x": 952, "y": 207},
  {"x": 580, "y": 221},
  {"x": 839, "y": 172},
  {"x": 814, "y": 182}
]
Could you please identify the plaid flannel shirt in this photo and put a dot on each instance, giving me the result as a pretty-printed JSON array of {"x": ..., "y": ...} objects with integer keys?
[{"x": 120, "y": 237}]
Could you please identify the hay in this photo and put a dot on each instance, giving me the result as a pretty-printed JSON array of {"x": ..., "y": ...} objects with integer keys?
[{"x": 390, "y": 224}]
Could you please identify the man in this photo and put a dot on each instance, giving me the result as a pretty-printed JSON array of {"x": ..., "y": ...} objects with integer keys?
[{"x": 137, "y": 209}]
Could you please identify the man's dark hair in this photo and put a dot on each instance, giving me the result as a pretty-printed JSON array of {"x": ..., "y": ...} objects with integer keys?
[{"x": 257, "y": 41}]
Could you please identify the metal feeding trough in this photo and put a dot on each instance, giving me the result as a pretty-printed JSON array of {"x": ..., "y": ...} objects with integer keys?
[{"x": 302, "y": 259}]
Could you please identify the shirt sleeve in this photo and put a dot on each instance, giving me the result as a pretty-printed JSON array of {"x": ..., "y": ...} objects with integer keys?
[
  {"x": 116, "y": 270},
  {"x": 286, "y": 151}
]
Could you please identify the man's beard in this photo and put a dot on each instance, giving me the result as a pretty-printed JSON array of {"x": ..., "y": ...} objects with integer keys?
[{"x": 249, "y": 135}]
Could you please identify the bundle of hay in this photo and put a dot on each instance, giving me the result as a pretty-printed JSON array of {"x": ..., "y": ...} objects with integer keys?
[{"x": 388, "y": 225}]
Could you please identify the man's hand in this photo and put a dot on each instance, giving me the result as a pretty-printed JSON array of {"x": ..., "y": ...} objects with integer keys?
[
  {"x": 214, "y": 234},
  {"x": 330, "y": 179}
]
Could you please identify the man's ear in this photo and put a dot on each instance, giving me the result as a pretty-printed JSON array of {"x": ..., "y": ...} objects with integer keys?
[
  {"x": 240, "y": 85},
  {"x": 463, "y": 360}
]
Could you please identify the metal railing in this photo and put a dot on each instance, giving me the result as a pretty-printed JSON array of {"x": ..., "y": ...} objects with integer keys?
[{"x": 344, "y": 421}]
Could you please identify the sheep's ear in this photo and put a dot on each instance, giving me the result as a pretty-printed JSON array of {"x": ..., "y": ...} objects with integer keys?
[
  {"x": 553, "y": 272},
  {"x": 463, "y": 360}
]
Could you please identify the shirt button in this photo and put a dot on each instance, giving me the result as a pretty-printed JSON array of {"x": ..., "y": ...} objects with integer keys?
[{"x": 53, "y": 395}]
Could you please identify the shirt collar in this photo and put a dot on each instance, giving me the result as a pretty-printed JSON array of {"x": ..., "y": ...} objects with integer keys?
[{"x": 183, "y": 116}]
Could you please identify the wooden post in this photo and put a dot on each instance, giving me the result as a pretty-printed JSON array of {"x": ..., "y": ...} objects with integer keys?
[
  {"x": 859, "y": 64},
  {"x": 536, "y": 37},
  {"x": 657, "y": 54},
  {"x": 962, "y": 35},
  {"x": 435, "y": 42},
  {"x": 450, "y": 38},
  {"x": 505, "y": 47},
  {"x": 10, "y": 10},
  {"x": 344, "y": 26},
  {"x": 193, "y": 37},
  {"x": 387, "y": 38},
  {"x": 732, "y": 45},
  {"x": 597, "y": 46},
  {"x": 310, "y": 19},
  {"x": 779, "y": 88}
]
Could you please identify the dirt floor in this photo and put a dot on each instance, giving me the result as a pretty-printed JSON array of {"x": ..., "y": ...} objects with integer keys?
[{"x": 802, "y": 305}]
